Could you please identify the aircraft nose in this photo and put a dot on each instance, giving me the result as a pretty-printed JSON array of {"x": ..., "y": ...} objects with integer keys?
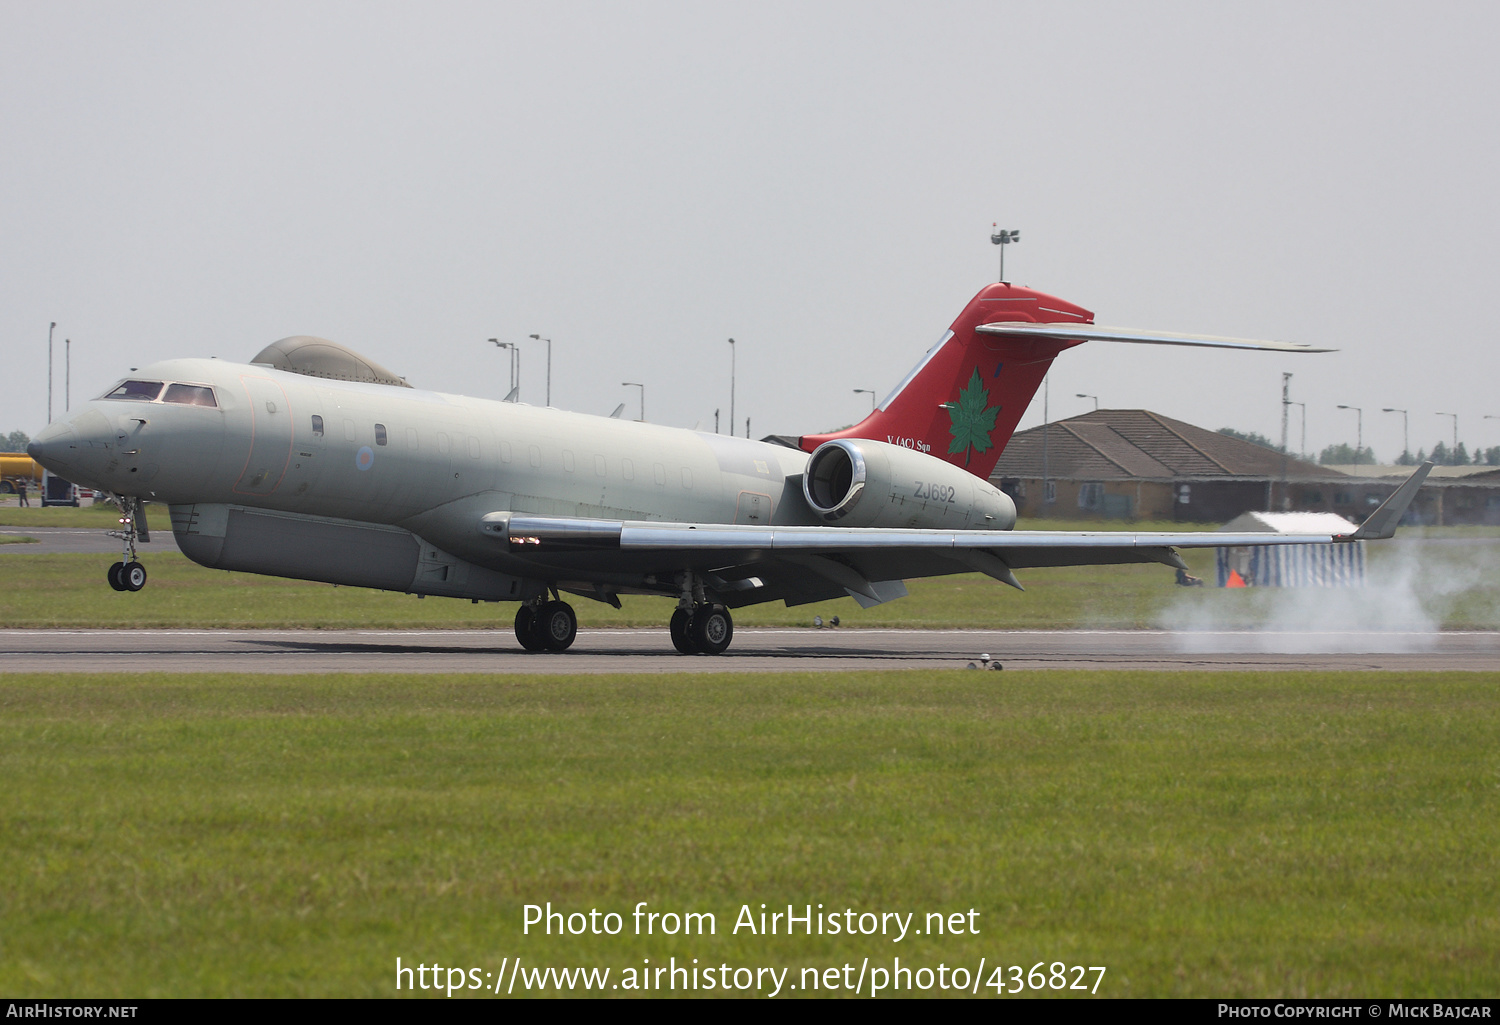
[
  {"x": 76, "y": 449},
  {"x": 54, "y": 446}
]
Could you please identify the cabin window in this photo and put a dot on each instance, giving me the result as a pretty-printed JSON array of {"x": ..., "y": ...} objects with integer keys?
[
  {"x": 139, "y": 391},
  {"x": 349, "y": 434},
  {"x": 442, "y": 443},
  {"x": 535, "y": 454},
  {"x": 661, "y": 474},
  {"x": 190, "y": 395},
  {"x": 567, "y": 460},
  {"x": 473, "y": 447},
  {"x": 599, "y": 466},
  {"x": 687, "y": 477},
  {"x": 317, "y": 422},
  {"x": 627, "y": 469},
  {"x": 505, "y": 451},
  {"x": 380, "y": 435}
]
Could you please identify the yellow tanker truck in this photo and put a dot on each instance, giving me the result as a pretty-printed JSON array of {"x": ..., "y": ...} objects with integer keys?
[{"x": 16, "y": 467}]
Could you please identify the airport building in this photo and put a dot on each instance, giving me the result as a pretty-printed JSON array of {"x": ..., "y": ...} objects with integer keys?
[{"x": 1138, "y": 465}]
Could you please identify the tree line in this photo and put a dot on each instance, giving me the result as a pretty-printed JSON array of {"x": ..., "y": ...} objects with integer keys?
[{"x": 1345, "y": 454}]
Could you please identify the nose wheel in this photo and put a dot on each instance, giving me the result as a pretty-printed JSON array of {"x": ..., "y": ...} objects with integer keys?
[
  {"x": 127, "y": 576},
  {"x": 704, "y": 629}
]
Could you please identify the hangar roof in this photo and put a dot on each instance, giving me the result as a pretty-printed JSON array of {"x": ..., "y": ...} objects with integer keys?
[{"x": 1139, "y": 444}]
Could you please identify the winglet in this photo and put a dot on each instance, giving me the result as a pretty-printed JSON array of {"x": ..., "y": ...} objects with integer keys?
[{"x": 1382, "y": 522}]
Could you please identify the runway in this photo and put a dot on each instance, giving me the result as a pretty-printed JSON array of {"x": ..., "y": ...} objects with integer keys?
[
  {"x": 80, "y": 540},
  {"x": 805, "y": 650}
]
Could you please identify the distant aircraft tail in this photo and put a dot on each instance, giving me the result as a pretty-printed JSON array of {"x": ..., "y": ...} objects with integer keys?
[{"x": 963, "y": 400}]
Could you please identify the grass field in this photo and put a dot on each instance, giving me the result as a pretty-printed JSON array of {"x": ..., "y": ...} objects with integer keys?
[{"x": 1231, "y": 835}]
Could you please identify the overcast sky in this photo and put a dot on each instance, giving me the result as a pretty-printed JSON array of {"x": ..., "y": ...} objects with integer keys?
[{"x": 642, "y": 181}]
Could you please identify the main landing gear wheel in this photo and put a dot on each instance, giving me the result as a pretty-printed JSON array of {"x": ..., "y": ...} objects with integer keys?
[
  {"x": 525, "y": 628},
  {"x": 114, "y": 576},
  {"x": 681, "y": 629},
  {"x": 556, "y": 625},
  {"x": 713, "y": 629},
  {"x": 550, "y": 626},
  {"x": 706, "y": 630}
]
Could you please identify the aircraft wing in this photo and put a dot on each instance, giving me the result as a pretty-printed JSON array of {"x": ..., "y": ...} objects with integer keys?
[
  {"x": 747, "y": 564},
  {"x": 1100, "y": 333},
  {"x": 800, "y": 564}
]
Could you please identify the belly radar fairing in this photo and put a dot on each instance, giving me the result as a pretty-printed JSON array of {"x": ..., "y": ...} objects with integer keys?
[{"x": 315, "y": 463}]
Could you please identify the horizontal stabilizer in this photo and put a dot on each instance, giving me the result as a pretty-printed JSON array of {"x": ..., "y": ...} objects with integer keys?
[{"x": 1099, "y": 333}]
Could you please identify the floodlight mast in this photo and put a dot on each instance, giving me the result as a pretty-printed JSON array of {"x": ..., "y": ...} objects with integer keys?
[
  {"x": 1454, "y": 454},
  {"x": 1405, "y": 433},
  {"x": 49, "y": 370},
  {"x": 515, "y": 362},
  {"x": 1359, "y": 437},
  {"x": 539, "y": 338},
  {"x": 1003, "y": 237},
  {"x": 642, "y": 387},
  {"x": 1286, "y": 406}
]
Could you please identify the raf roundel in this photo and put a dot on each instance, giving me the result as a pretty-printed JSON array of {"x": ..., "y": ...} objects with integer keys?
[{"x": 364, "y": 458}]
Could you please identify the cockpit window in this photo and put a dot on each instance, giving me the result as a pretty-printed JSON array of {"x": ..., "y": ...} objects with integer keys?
[
  {"x": 140, "y": 391},
  {"x": 190, "y": 395}
]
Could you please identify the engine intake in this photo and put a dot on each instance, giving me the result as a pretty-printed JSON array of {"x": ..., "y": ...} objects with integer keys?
[{"x": 855, "y": 482}]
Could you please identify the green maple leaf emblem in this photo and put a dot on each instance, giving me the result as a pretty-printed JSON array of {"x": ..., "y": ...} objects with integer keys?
[{"x": 973, "y": 419}]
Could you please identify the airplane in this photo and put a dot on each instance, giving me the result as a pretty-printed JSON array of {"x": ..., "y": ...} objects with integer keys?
[{"x": 313, "y": 462}]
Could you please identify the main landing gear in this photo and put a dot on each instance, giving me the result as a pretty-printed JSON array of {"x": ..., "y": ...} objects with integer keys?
[
  {"x": 546, "y": 626},
  {"x": 128, "y": 574},
  {"x": 702, "y": 629}
]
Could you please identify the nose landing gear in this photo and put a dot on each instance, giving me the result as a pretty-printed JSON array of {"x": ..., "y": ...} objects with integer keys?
[{"x": 128, "y": 574}]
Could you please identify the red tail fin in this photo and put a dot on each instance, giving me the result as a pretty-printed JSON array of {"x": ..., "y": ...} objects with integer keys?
[{"x": 962, "y": 402}]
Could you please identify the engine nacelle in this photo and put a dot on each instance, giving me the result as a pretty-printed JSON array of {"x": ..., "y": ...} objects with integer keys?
[{"x": 859, "y": 483}]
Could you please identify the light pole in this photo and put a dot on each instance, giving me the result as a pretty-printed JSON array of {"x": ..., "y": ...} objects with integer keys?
[
  {"x": 731, "y": 386},
  {"x": 515, "y": 364},
  {"x": 1359, "y": 438},
  {"x": 67, "y": 375},
  {"x": 1286, "y": 409},
  {"x": 1081, "y": 395},
  {"x": 49, "y": 370},
  {"x": 867, "y": 391},
  {"x": 539, "y": 338},
  {"x": 1454, "y": 453},
  {"x": 1003, "y": 237},
  {"x": 1405, "y": 433},
  {"x": 642, "y": 387}
]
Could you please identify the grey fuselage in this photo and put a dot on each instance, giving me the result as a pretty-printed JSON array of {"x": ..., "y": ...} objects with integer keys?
[{"x": 389, "y": 492}]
